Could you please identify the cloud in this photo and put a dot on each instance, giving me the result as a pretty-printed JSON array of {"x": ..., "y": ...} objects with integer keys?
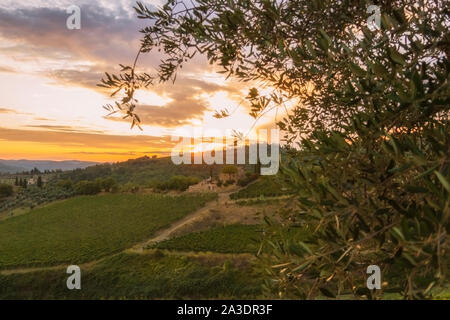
[
  {"x": 131, "y": 153},
  {"x": 33, "y": 36},
  {"x": 45, "y": 27},
  {"x": 109, "y": 35},
  {"x": 4, "y": 69},
  {"x": 82, "y": 139},
  {"x": 85, "y": 78},
  {"x": 179, "y": 112},
  {"x": 63, "y": 128},
  {"x": 12, "y": 111},
  {"x": 4, "y": 110},
  {"x": 38, "y": 35},
  {"x": 43, "y": 119},
  {"x": 186, "y": 103}
]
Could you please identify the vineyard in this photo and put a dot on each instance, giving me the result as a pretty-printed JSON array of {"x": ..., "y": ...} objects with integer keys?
[
  {"x": 85, "y": 228},
  {"x": 226, "y": 239},
  {"x": 146, "y": 276},
  {"x": 34, "y": 196}
]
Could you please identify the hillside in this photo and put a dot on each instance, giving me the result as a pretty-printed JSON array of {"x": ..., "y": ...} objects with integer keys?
[
  {"x": 13, "y": 166},
  {"x": 86, "y": 228},
  {"x": 5, "y": 168},
  {"x": 142, "y": 171},
  {"x": 114, "y": 237}
]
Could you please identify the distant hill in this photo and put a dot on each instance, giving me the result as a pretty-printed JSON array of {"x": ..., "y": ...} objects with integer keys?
[
  {"x": 13, "y": 166},
  {"x": 4, "y": 168}
]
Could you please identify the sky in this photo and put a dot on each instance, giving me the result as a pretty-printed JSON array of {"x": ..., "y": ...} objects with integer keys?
[{"x": 51, "y": 108}]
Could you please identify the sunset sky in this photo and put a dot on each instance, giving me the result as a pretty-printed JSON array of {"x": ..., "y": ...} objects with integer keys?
[{"x": 50, "y": 107}]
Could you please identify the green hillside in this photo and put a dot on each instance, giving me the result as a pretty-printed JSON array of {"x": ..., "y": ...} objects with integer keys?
[
  {"x": 142, "y": 171},
  {"x": 86, "y": 228}
]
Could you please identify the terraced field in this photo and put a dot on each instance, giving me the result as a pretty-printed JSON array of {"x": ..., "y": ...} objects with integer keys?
[{"x": 86, "y": 228}]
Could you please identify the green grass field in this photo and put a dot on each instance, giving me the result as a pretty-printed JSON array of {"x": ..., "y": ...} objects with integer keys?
[
  {"x": 86, "y": 228},
  {"x": 226, "y": 239},
  {"x": 141, "y": 276}
]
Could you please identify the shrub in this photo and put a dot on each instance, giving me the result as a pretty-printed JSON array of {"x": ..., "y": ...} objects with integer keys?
[
  {"x": 107, "y": 184},
  {"x": 180, "y": 183},
  {"x": 130, "y": 187},
  {"x": 249, "y": 177}
]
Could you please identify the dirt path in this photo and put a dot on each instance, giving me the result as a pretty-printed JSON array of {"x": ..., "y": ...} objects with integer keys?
[
  {"x": 139, "y": 248},
  {"x": 27, "y": 270}
]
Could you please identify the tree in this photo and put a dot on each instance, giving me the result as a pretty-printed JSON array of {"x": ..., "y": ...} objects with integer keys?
[
  {"x": 180, "y": 183},
  {"x": 66, "y": 184},
  {"x": 107, "y": 184},
  {"x": 258, "y": 168},
  {"x": 39, "y": 182},
  {"x": 6, "y": 190},
  {"x": 24, "y": 183},
  {"x": 16, "y": 182},
  {"x": 87, "y": 188},
  {"x": 370, "y": 118}
]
